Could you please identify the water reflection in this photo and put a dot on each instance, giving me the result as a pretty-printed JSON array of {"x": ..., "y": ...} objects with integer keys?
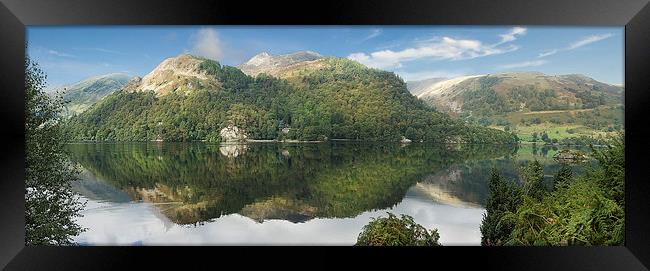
[{"x": 281, "y": 193}]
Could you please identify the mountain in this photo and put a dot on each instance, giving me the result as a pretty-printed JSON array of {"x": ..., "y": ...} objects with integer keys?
[
  {"x": 569, "y": 109},
  {"x": 189, "y": 98},
  {"x": 417, "y": 87},
  {"x": 81, "y": 95},
  {"x": 180, "y": 74},
  {"x": 487, "y": 95},
  {"x": 275, "y": 64}
]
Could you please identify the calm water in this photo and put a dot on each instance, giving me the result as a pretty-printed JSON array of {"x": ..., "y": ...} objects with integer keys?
[{"x": 271, "y": 193}]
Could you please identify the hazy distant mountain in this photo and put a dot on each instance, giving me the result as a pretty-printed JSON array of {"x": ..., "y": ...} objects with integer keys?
[
  {"x": 275, "y": 64},
  {"x": 512, "y": 92},
  {"x": 83, "y": 94}
]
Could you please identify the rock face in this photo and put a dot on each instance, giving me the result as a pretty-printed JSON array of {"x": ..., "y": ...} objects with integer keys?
[
  {"x": 276, "y": 64},
  {"x": 232, "y": 133}
]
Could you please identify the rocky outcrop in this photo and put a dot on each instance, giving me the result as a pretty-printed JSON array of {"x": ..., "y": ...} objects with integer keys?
[
  {"x": 570, "y": 156},
  {"x": 232, "y": 133}
]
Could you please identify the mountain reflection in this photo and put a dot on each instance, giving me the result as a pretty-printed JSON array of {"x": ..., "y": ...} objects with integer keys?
[{"x": 193, "y": 182}]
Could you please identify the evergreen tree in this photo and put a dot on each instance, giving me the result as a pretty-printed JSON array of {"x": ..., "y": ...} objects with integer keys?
[
  {"x": 533, "y": 176},
  {"x": 504, "y": 196}
]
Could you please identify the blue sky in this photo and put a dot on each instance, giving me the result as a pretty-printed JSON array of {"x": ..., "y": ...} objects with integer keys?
[{"x": 70, "y": 54}]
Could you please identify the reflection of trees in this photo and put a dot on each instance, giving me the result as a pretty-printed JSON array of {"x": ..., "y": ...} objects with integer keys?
[{"x": 196, "y": 182}]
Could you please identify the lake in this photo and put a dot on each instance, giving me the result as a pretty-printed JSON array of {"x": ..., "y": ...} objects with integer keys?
[{"x": 284, "y": 194}]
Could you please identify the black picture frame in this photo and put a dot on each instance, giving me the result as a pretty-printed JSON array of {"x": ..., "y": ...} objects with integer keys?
[{"x": 633, "y": 14}]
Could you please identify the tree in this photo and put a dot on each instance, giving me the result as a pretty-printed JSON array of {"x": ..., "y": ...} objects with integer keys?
[
  {"x": 545, "y": 137},
  {"x": 50, "y": 205},
  {"x": 394, "y": 231},
  {"x": 504, "y": 196},
  {"x": 533, "y": 176}
]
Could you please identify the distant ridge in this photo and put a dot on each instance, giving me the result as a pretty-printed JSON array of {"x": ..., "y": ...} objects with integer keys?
[
  {"x": 83, "y": 94},
  {"x": 515, "y": 91},
  {"x": 274, "y": 64}
]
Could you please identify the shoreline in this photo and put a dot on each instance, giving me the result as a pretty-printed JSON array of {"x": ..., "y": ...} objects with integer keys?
[{"x": 248, "y": 141}]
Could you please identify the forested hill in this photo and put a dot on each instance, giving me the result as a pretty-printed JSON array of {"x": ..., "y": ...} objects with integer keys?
[{"x": 189, "y": 98}]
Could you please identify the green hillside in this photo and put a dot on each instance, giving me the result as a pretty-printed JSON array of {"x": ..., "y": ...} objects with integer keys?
[{"x": 567, "y": 108}]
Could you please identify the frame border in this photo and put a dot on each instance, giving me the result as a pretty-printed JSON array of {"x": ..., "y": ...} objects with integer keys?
[{"x": 15, "y": 15}]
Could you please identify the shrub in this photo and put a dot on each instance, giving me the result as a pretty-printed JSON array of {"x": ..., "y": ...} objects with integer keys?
[{"x": 394, "y": 231}]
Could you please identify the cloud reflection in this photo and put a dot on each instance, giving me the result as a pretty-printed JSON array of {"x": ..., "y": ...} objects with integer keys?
[{"x": 142, "y": 224}]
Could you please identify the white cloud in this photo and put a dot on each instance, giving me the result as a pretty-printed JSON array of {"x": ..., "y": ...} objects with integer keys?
[
  {"x": 445, "y": 48},
  {"x": 373, "y": 34},
  {"x": 57, "y": 53},
  {"x": 588, "y": 40},
  {"x": 524, "y": 64},
  {"x": 103, "y": 50},
  {"x": 512, "y": 35},
  {"x": 548, "y": 53},
  {"x": 206, "y": 43},
  {"x": 577, "y": 44}
]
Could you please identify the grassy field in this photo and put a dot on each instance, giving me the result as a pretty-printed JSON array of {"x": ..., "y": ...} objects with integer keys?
[{"x": 561, "y": 124}]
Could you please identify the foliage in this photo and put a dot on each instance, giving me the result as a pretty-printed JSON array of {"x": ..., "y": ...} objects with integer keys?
[
  {"x": 610, "y": 173},
  {"x": 50, "y": 205},
  {"x": 394, "y": 231},
  {"x": 581, "y": 210},
  {"x": 579, "y": 215},
  {"x": 563, "y": 177}
]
